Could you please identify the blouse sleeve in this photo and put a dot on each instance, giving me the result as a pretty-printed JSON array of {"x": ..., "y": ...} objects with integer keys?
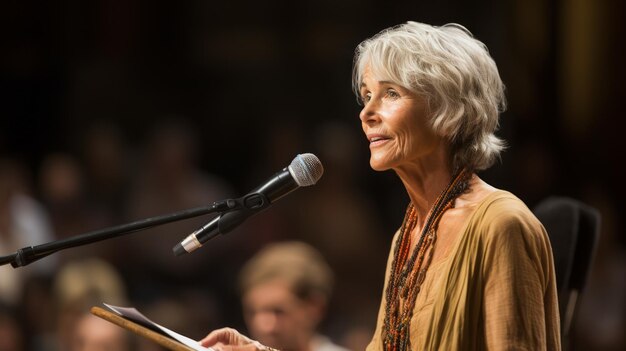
[{"x": 519, "y": 301}]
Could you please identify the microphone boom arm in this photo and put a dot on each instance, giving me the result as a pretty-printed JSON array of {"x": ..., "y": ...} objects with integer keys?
[{"x": 29, "y": 254}]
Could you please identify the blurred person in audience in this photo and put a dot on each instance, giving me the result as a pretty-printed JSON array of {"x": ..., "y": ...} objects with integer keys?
[
  {"x": 63, "y": 192},
  {"x": 93, "y": 333},
  {"x": 12, "y": 336},
  {"x": 37, "y": 310},
  {"x": 61, "y": 186},
  {"x": 78, "y": 286},
  {"x": 285, "y": 290},
  {"x": 470, "y": 267},
  {"x": 106, "y": 159},
  {"x": 23, "y": 222}
]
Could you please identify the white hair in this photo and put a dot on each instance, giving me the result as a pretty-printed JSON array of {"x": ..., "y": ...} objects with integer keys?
[{"x": 456, "y": 75}]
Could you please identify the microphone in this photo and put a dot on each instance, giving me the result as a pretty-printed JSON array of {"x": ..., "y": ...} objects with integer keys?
[{"x": 304, "y": 170}]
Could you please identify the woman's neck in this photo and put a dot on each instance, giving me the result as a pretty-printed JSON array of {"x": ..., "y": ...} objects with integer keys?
[{"x": 424, "y": 187}]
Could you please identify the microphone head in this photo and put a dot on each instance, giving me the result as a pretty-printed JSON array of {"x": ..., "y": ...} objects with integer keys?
[{"x": 306, "y": 169}]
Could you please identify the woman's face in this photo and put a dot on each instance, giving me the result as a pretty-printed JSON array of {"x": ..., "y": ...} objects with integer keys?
[{"x": 394, "y": 120}]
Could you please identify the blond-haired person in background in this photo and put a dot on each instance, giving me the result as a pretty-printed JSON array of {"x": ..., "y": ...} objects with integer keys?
[{"x": 285, "y": 289}]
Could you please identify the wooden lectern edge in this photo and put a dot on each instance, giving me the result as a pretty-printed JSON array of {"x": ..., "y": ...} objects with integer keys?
[{"x": 138, "y": 329}]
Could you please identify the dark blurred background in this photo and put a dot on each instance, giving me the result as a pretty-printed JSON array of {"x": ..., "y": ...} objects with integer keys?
[{"x": 113, "y": 111}]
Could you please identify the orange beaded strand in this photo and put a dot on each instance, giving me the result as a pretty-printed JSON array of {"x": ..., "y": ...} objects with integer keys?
[{"x": 408, "y": 272}]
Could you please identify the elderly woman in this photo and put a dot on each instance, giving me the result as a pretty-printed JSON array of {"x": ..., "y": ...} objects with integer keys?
[{"x": 470, "y": 268}]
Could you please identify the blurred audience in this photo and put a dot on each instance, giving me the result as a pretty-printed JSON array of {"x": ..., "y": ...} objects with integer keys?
[
  {"x": 63, "y": 191},
  {"x": 107, "y": 161},
  {"x": 170, "y": 180},
  {"x": 23, "y": 222},
  {"x": 37, "y": 309},
  {"x": 12, "y": 335}
]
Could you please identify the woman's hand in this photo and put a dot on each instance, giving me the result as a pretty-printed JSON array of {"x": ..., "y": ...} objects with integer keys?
[{"x": 228, "y": 339}]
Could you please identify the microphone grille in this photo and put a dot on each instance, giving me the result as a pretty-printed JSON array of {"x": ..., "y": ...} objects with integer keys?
[{"x": 306, "y": 169}]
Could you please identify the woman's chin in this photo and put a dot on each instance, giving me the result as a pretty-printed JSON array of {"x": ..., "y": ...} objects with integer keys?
[{"x": 378, "y": 165}]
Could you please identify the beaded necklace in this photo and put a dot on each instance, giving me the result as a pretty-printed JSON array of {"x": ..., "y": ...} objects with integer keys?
[{"x": 408, "y": 273}]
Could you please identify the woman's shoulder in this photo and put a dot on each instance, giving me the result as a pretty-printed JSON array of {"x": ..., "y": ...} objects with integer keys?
[
  {"x": 502, "y": 211},
  {"x": 482, "y": 197},
  {"x": 502, "y": 203}
]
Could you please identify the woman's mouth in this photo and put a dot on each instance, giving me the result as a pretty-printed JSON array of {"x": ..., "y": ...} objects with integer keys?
[{"x": 377, "y": 140}]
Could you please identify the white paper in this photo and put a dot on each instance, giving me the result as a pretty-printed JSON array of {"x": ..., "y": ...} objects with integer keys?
[{"x": 136, "y": 316}]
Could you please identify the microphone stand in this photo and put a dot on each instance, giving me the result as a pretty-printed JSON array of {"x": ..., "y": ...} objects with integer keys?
[{"x": 29, "y": 254}]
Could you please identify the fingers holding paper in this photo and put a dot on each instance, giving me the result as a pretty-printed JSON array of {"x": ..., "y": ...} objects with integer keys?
[{"x": 229, "y": 339}]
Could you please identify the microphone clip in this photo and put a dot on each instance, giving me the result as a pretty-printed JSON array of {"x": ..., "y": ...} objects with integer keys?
[
  {"x": 232, "y": 213},
  {"x": 253, "y": 202},
  {"x": 245, "y": 207}
]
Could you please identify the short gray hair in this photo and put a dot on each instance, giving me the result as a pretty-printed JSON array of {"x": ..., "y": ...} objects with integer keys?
[{"x": 456, "y": 75}]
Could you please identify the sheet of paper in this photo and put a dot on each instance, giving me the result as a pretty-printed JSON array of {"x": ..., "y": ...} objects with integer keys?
[{"x": 134, "y": 315}]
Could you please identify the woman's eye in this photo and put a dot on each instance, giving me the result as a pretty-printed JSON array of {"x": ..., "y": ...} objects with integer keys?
[
  {"x": 393, "y": 94},
  {"x": 366, "y": 97}
]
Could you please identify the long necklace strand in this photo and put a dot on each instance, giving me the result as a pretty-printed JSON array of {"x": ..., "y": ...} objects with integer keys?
[{"x": 408, "y": 273}]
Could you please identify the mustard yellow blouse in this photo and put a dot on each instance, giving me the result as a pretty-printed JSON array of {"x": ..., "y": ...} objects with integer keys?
[{"x": 496, "y": 289}]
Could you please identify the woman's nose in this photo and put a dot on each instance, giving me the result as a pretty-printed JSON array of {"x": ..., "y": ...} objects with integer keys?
[{"x": 369, "y": 113}]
